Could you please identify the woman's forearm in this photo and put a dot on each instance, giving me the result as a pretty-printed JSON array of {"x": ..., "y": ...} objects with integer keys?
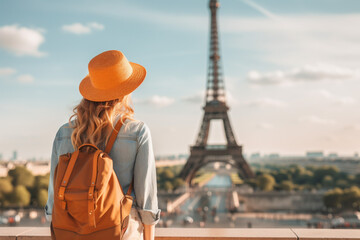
[{"x": 149, "y": 232}]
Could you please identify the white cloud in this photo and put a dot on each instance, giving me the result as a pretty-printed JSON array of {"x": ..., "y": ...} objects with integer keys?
[
  {"x": 344, "y": 100},
  {"x": 286, "y": 40},
  {"x": 265, "y": 102},
  {"x": 158, "y": 101},
  {"x": 317, "y": 120},
  {"x": 307, "y": 73},
  {"x": 197, "y": 98},
  {"x": 138, "y": 13},
  {"x": 21, "y": 40},
  {"x": 292, "y": 40},
  {"x": 25, "y": 78},
  {"x": 79, "y": 28},
  {"x": 230, "y": 99},
  {"x": 261, "y": 9},
  {"x": 76, "y": 28},
  {"x": 97, "y": 26},
  {"x": 7, "y": 71},
  {"x": 281, "y": 39},
  {"x": 275, "y": 77},
  {"x": 169, "y": 54}
]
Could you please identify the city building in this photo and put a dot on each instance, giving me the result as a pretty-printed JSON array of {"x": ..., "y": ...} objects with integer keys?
[
  {"x": 333, "y": 155},
  {"x": 15, "y": 155},
  {"x": 314, "y": 154},
  {"x": 255, "y": 155}
]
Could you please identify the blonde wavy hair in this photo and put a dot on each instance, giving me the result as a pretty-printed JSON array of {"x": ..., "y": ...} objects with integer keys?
[{"x": 93, "y": 121}]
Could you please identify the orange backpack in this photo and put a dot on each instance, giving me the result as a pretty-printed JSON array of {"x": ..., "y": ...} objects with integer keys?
[{"x": 89, "y": 202}]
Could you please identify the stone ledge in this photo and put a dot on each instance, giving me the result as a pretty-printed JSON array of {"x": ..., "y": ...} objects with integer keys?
[{"x": 43, "y": 233}]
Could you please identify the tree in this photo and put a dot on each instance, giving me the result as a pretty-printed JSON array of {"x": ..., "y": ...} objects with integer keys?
[
  {"x": 5, "y": 186},
  {"x": 332, "y": 198},
  {"x": 21, "y": 176},
  {"x": 286, "y": 185},
  {"x": 167, "y": 174},
  {"x": 41, "y": 183},
  {"x": 158, "y": 174},
  {"x": 342, "y": 183},
  {"x": 297, "y": 171},
  {"x": 321, "y": 172},
  {"x": 304, "y": 177},
  {"x": 42, "y": 197},
  {"x": 351, "y": 198},
  {"x": 5, "y": 189},
  {"x": 328, "y": 181},
  {"x": 20, "y": 196},
  {"x": 266, "y": 182},
  {"x": 168, "y": 186},
  {"x": 178, "y": 183},
  {"x": 357, "y": 179},
  {"x": 281, "y": 176}
]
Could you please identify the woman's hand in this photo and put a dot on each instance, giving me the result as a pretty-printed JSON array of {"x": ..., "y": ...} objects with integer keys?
[{"x": 149, "y": 232}]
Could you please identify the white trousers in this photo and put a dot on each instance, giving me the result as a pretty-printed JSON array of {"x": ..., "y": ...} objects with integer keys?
[{"x": 135, "y": 228}]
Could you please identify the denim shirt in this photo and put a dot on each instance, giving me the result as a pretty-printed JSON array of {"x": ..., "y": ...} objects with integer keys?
[{"x": 132, "y": 154}]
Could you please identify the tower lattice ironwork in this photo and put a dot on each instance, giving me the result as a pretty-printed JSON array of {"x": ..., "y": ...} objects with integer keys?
[{"x": 215, "y": 108}]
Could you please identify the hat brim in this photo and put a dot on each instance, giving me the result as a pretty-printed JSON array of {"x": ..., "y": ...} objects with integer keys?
[{"x": 89, "y": 92}]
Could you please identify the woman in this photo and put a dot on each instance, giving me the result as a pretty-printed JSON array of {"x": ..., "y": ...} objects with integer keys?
[{"x": 106, "y": 100}]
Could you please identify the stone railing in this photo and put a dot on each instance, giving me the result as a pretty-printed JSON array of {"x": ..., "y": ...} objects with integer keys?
[{"x": 43, "y": 233}]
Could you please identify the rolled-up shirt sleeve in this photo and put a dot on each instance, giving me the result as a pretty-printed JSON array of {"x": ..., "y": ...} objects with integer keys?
[
  {"x": 145, "y": 186},
  {"x": 50, "y": 200}
]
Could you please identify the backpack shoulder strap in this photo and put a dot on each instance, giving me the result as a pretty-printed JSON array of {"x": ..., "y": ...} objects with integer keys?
[
  {"x": 131, "y": 186},
  {"x": 113, "y": 136},
  {"x": 111, "y": 142}
]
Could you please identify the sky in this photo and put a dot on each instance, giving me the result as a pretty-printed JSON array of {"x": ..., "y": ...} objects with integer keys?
[{"x": 291, "y": 70}]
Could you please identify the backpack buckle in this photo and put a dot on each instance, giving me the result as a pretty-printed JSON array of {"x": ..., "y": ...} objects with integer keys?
[
  {"x": 63, "y": 205},
  {"x": 91, "y": 193},
  {"x": 61, "y": 193},
  {"x": 91, "y": 212}
]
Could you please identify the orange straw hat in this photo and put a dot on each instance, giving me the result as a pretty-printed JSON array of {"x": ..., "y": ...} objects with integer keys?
[{"x": 111, "y": 76}]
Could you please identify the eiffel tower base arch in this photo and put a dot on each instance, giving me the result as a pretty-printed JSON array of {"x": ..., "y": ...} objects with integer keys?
[{"x": 201, "y": 156}]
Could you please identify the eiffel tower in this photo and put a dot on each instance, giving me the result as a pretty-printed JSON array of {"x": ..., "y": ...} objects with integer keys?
[{"x": 215, "y": 108}]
